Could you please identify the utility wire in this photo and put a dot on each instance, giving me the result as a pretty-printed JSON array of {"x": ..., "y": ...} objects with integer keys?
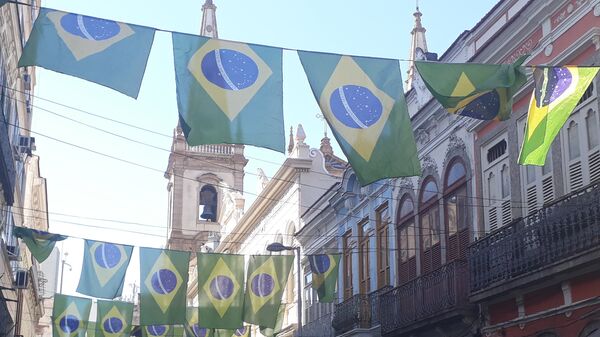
[{"x": 250, "y": 173}]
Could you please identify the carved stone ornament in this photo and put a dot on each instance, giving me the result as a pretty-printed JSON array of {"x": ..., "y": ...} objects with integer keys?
[
  {"x": 428, "y": 165},
  {"x": 405, "y": 184},
  {"x": 422, "y": 136}
]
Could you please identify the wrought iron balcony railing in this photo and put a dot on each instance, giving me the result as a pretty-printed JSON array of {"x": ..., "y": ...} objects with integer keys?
[
  {"x": 319, "y": 327},
  {"x": 562, "y": 230},
  {"x": 425, "y": 297},
  {"x": 359, "y": 311},
  {"x": 353, "y": 313}
]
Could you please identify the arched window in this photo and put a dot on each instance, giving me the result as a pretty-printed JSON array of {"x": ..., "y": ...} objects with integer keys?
[
  {"x": 455, "y": 207},
  {"x": 207, "y": 209},
  {"x": 407, "y": 264},
  {"x": 429, "y": 216}
]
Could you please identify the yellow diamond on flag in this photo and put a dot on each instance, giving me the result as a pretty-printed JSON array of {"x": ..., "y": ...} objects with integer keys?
[
  {"x": 163, "y": 281},
  {"x": 85, "y": 35},
  {"x": 107, "y": 259},
  {"x": 464, "y": 86},
  {"x": 113, "y": 324},
  {"x": 263, "y": 284},
  {"x": 355, "y": 106},
  {"x": 69, "y": 323},
  {"x": 231, "y": 73},
  {"x": 221, "y": 287}
]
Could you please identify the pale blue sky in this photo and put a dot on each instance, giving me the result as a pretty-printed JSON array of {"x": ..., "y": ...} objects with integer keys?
[{"x": 88, "y": 185}]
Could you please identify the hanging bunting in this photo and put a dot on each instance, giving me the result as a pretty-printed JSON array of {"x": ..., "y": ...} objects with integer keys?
[
  {"x": 220, "y": 290},
  {"x": 192, "y": 328},
  {"x": 267, "y": 278},
  {"x": 363, "y": 103},
  {"x": 103, "y": 270},
  {"x": 481, "y": 91},
  {"x": 114, "y": 319},
  {"x": 229, "y": 92},
  {"x": 39, "y": 243},
  {"x": 164, "y": 278},
  {"x": 270, "y": 332},
  {"x": 556, "y": 93},
  {"x": 324, "y": 269},
  {"x": 239, "y": 332},
  {"x": 70, "y": 316},
  {"x": 110, "y": 53}
]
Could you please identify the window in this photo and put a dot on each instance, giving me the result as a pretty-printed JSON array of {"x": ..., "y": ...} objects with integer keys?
[
  {"x": 347, "y": 265},
  {"x": 430, "y": 226},
  {"x": 538, "y": 186},
  {"x": 383, "y": 256},
  {"x": 455, "y": 205},
  {"x": 496, "y": 187},
  {"x": 591, "y": 122},
  {"x": 407, "y": 267},
  {"x": 505, "y": 176},
  {"x": 207, "y": 209},
  {"x": 580, "y": 138},
  {"x": 364, "y": 245},
  {"x": 573, "y": 134}
]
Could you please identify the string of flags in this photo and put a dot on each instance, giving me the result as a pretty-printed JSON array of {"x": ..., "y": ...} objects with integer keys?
[
  {"x": 227, "y": 300},
  {"x": 232, "y": 92}
]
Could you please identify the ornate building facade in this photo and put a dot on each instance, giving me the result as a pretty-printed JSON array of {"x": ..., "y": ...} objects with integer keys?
[
  {"x": 478, "y": 245},
  {"x": 22, "y": 189}
]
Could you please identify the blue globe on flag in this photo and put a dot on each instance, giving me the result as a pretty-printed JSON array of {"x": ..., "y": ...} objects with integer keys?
[
  {"x": 113, "y": 325},
  {"x": 263, "y": 285},
  {"x": 164, "y": 281},
  {"x": 355, "y": 106},
  {"x": 229, "y": 69},
  {"x": 221, "y": 287},
  {"x": 69, "y": 323},
  {"x": 107, "y": 255},
  {"x": 89, "y": 28}
]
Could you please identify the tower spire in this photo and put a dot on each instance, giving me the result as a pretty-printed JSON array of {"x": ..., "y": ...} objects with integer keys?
[
  {"x": 209, "y": 20},
  {"x": 418, "y": 41}
]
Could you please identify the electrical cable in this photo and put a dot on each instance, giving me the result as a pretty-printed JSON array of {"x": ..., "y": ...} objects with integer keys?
[{"x": 233, "y": 169}]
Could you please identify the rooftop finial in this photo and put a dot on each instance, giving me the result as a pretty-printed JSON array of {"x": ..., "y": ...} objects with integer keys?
[
  {"x": 209, "y": 20},
  {"x": 418, "y": 42},
  {"x": 291, "y": 142}
]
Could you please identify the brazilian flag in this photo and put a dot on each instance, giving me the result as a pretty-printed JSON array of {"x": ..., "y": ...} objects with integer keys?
[
  {"x": 557, "y": 91},
  {"x": 114, "y": 319},
  {"x": 239, "y": 332},
  {"x": 110, "y": 53},
  {"x": 39, "y": 243},
  {"x": 161, "y": 330},
  {"x": 229, "y": 92},
  {"x": 324, "y": 269},
  {"x": 103, "y": 270},
  {"x": 273, "y": 331},
  {"x": 136, "y": 331},
  {"x": 164, "y": 278},
  {"x": 192, "y": 328},
  {"x": 480, "y": 91},
  {"x": 267, "y": 278},
  {"x": 70, "y": 316},
  {"x": 363, "y": 102},
  {"x": 220, "y": 290}
]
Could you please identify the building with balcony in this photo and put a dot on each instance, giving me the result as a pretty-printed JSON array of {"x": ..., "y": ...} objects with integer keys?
[
  {"x": 478, "y": 245},
  {"x": 536, "y": 271},
  {"x": 23, "y": 197}
]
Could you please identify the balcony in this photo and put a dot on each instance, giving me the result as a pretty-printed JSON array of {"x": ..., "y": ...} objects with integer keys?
[
  {"x": 360, "y": 311},
  {"x": 557, "y": 238},
  {"x": 436, "y": 296},
  {"x": 213, "y": 149},
  {"x": 319, "y": 327}
]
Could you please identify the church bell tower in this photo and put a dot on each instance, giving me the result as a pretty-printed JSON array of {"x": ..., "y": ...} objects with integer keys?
[{"x": 205, "y": 182}]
